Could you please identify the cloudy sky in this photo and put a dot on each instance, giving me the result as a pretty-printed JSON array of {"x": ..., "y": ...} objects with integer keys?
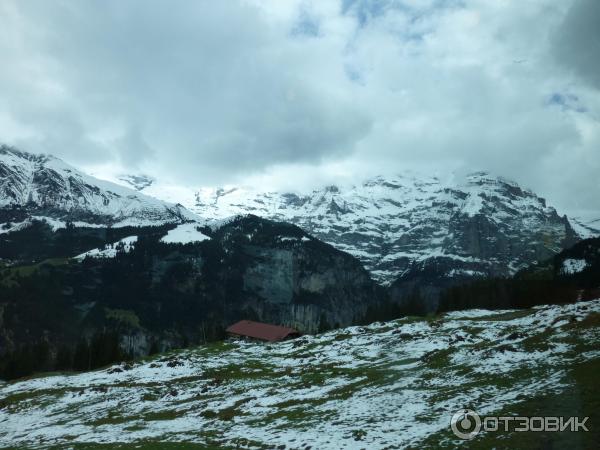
[{"x": 294, "y": 92}]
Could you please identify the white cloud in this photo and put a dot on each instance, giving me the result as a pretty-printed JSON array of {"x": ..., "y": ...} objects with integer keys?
[{"x": 270, "y": 91}]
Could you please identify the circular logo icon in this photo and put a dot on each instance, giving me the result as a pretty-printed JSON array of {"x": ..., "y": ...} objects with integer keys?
[{"x": 465, "y": 424}]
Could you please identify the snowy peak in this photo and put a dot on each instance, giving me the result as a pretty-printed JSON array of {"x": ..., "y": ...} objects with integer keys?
[{"x": 45, "y": 186}]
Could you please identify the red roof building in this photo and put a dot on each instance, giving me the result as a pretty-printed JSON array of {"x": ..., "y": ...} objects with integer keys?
[{"x": 261, "y": 331}]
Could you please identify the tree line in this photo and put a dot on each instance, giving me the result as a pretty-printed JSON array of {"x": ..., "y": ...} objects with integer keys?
[{"x": 100, "y": 349}]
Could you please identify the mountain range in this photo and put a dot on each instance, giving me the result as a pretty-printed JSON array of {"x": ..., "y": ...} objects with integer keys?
[
  {"x": 410, "y": 231},
  {"x": 485, "y": 226},
  {"x": 398, "y": 227}
]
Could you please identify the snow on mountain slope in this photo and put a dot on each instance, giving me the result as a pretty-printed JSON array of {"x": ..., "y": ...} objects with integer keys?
[
  {"x": 483, "y": 226},
  {"x": 571, "y": 266},
  {"x": 125, "y": 244},
  {"x": 45, "y": 186},
  {"x": 137, "y": 182},
  {"x": 586, "y": 228},
  {"x": 386, "y": 385},
  {"x": 184, "y": 234}
]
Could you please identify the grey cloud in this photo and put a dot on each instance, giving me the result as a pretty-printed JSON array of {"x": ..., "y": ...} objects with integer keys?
[
  {"x": 577, "y": 41},
  {"x": 306, "y": 24},
  {"x": 207, "y": 83},
  {"x": 366, "y": 11},
  {"x": 133, "y": 148},
  {"x": 567, "y": 102}
]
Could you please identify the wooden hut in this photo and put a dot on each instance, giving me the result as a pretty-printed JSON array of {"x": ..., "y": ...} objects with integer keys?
[{"x": 249, "y": 329}]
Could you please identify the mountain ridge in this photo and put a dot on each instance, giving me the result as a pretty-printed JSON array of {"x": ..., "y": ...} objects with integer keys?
[
  {"x": 44, "y": 186},
  {"x": 397, "y": 224}
]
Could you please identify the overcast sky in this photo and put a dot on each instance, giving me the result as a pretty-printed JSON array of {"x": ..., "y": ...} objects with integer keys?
[{"x": 297, "y": 92}]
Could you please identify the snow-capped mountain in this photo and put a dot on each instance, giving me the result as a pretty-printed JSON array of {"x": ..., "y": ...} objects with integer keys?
[
  {"x": 484, "y": 225},
  {"x": 46, "y": 187}
]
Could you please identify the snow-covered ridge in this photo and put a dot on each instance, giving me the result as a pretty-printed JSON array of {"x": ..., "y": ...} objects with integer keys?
[
  {"x": 480, "y": 226},
  {"x": 110, "y": 251},
  {"x": 48, "y": 187},
  {"x": 585, "y": 227}
]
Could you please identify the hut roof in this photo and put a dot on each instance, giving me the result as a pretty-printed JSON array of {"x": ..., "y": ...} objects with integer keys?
[{"x": 262, "y": 331}]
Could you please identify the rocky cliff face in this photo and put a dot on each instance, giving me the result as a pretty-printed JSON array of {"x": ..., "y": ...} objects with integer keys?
[
  {"x": 290, "y": 277},
  {"x": 45, "y": 186}
]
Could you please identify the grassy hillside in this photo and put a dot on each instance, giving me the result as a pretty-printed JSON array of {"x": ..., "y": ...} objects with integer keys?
[{"x": 386, "y": 385}]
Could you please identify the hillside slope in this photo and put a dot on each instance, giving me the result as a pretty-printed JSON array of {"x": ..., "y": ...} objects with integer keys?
[{"x": 387, "y": 385}]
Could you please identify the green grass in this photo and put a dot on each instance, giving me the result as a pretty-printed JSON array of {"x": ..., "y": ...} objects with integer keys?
[
  {"x": 40, "y": 398},
  {"x": 10, "y": 275},
  {"x": 503, "y": 316},
  {"x": 228, "y": 413},
  {"x": 579, "y": 398},
  {"x": 168, "y": 414},
  {"x": 591, "y": 321},
  {"x": 111, "y": 418},
  {"x": 249, "y": 370},
  {"x": 142, "y": 445}
]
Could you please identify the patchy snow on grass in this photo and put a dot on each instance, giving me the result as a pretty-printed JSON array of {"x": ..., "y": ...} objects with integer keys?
[
  {"x": 184, "y": 234},
  {"x": 385, "y": 385}
]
